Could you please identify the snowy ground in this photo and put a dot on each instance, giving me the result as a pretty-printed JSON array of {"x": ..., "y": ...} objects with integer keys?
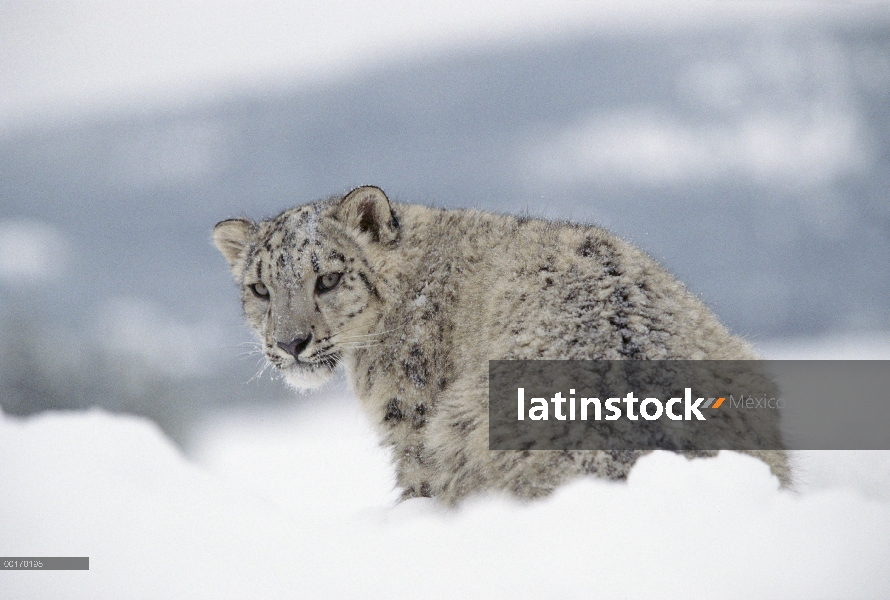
[{"x": 298, "y": 502}]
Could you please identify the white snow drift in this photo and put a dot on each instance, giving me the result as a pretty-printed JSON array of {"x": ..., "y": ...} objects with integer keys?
[{"x": 298, "y": 502}]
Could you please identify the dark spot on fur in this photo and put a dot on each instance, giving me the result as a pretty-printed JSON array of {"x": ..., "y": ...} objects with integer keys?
[
  {"x": 419, "y": 418},
  {"x": 368, "y": 285},
  {"x": 623, "y": 306},
  {"x": 463, "y": 425},
  {"x": 394, "y": 413},
  {"x": 316, "y": 266},
  {"x": 629, "y": 348},
  {"x": 414, "y": 454},
  {"x": 425, "y": 491},
  {"x": 416, "y": 367},
  {"x": 603, "y": 251}
]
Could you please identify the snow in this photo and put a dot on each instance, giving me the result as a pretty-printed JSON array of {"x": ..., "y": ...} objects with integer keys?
[{"x": 298, "y": 501}]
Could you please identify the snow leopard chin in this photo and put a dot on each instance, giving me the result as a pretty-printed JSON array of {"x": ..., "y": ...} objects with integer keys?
[{"x": 304, "y": 379}]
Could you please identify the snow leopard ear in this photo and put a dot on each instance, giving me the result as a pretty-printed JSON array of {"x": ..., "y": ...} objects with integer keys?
[
  {"x": 367, "y": 209},
  {"x": 231, "y": 238}
]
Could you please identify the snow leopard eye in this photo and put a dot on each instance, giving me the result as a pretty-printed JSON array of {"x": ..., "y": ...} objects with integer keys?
[
  {"x": 327, "y": 282},
  {"x": 259, "y": 290}
]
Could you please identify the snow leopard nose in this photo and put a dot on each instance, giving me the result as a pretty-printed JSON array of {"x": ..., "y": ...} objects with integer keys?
[{"x": 296, "y": 345}]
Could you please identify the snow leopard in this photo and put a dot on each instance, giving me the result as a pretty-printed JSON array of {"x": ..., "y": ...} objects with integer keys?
[{"x": 413, "y": 301}]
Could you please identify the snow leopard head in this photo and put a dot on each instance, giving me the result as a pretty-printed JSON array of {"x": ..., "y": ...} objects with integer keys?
[{"x": 310, "y": 279}]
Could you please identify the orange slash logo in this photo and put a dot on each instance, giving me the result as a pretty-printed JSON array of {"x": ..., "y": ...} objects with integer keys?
[{"x": 716, "y": 404}]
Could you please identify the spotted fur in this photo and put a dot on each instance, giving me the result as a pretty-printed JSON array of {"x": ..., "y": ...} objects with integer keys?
[{"x": 426, "y": 297}]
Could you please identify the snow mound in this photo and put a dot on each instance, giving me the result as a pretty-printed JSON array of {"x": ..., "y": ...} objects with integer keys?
[{"x": 298, "y": 503}]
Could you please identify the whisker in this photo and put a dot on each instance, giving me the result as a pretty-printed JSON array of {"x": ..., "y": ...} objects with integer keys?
[
  {"x": 360, "y": 346},
  {"x": 262, "y": 370},
  {"x": 254, "y": 344},
  {"x": 347, "y": 338}
]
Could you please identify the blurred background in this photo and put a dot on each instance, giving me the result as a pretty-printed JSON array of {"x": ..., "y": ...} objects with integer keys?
[{"x": 745, "y": 145}]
